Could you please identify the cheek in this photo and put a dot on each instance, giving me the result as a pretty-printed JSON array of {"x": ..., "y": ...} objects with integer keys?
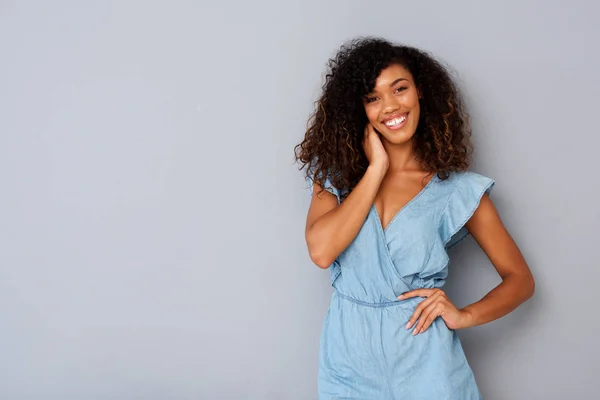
[
  {"x": 416, "y": 109},
  {"x": 372, "y": 114}
]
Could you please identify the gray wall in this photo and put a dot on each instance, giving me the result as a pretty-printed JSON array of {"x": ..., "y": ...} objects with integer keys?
[{"x": 151, "y": 240}]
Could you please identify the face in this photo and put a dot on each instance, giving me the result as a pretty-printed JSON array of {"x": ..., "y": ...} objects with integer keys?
[{"x": 393, "y": 105}]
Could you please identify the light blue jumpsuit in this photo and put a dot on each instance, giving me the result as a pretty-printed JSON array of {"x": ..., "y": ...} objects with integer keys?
[{"x": 366, "y": 352}]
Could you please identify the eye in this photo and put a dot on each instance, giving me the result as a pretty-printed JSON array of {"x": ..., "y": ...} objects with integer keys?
[
  {"x": 401, "y": 89},
  {"x": 370, "y": 99}
]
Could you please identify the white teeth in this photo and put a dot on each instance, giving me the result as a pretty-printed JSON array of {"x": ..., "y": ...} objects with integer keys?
[{"x": 396, "y": 121}]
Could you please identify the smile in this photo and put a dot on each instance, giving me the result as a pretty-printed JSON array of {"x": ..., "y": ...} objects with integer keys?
[{"x": 397, "y": 122}]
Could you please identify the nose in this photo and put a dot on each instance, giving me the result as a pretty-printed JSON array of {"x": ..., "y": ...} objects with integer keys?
[{"x": 391, "y": 104}]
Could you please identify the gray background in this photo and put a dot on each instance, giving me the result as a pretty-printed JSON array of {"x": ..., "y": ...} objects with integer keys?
[{"x": 152, "y": 221}]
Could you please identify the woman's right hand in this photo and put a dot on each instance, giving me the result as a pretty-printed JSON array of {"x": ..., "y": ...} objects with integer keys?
[
  {"x": 374, "y": 149},
  {"x": 331, "y": 226}
]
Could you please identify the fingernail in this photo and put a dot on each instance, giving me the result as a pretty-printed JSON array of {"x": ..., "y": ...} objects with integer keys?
[
  {"x": 415, "y": 332},
  {"x": 408, "y": 325}
]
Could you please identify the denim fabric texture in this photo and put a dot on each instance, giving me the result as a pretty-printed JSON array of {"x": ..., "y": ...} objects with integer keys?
[{"x": 366, "y": 352}]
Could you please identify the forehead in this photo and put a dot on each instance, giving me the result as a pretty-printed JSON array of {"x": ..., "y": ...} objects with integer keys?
[{"x": 391, "y": 74}]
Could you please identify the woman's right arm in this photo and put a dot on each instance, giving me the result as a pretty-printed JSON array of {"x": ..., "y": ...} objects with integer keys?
[{"x": 330, "y": 227}]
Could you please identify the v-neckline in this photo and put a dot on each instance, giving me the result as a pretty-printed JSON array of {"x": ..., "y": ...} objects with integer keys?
[{"x": 380, "y": 223}]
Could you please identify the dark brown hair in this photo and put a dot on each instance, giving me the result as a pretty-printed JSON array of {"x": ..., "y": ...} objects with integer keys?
[{"x": 332, "y": 145}]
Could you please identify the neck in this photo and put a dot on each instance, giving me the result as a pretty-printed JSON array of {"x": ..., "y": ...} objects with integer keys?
[{"x": 401, "y": 156}]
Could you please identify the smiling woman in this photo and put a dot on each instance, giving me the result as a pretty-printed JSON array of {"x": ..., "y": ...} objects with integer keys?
[
  {"x": 401, "y": 91},
  {"x": 387, "y": 151}
]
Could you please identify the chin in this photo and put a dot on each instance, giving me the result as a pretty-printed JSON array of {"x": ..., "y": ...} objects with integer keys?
[{"x": 397, "y": 137}]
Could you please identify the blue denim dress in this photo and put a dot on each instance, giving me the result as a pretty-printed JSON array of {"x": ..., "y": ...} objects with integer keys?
[{"x": 366, "y": 352}]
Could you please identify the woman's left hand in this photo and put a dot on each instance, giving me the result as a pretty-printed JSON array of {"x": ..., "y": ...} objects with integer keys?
[{"x": 435, "y": 305}]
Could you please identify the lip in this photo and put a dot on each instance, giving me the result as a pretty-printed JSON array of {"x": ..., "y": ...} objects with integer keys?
[
  {"x": 397, "y": 115},
  {"x": 391, "y": 117}
]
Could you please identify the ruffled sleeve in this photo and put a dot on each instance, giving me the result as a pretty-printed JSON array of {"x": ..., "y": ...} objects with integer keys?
[
  {"x": 327, "y": 186},
  {"x": 461, "y": 205}
]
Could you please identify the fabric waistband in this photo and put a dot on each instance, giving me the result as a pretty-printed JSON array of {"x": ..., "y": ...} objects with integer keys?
[{"x": 397, "y": 303}]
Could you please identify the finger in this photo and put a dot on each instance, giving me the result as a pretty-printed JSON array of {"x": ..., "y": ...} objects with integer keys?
[
  {"x": 371, "y": 129},
  {"x": 417, "y": 293},
  {"x": 367, "y": 129},
  {"x": 419, "y": 309},
  {"x": 429, "y": 315}
]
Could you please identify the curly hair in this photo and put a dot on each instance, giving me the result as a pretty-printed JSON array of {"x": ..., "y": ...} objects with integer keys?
[{"x": 332, "y": 145}]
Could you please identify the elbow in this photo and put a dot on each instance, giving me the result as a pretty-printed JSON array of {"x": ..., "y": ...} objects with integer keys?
[
  {"x": 320, "y": 259},
  {"x": 319, "y": 250},
  {"x": 320, "y": 253},
  {"x": 523, "y": 285},
  {"x": 530, "y": 286}
]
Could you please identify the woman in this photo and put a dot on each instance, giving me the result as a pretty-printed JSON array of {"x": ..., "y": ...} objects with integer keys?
[{"x": 387, "y": 152}]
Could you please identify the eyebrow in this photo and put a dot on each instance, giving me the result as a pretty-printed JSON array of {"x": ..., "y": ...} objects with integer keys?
[
  {"x": 393, "y": 83},
  {"x": 397, "y": 80}
]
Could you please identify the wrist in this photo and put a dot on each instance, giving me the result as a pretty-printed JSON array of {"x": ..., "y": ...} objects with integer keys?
[
  {"x": 468, "y": 319},
  {"x": 379, "y": 166}
]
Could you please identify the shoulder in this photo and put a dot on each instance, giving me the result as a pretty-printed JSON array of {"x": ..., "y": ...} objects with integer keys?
[
  {"x": 467, "y": 177},
  {"x": 464, "y": 191},
  {"x": 460, "y": 183},
  {"x": 326, "y": 182}
]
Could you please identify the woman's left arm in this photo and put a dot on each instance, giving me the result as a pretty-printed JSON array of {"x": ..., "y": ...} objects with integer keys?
[{"x": 517, "y": 281}]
